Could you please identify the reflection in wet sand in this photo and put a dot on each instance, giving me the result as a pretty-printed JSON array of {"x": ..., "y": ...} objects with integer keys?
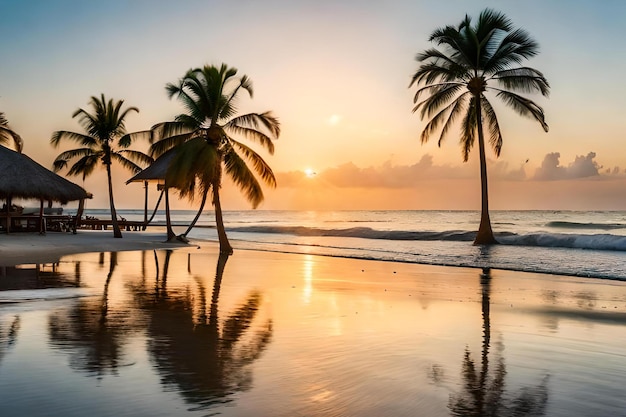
[
  {"x": 92, "y": 337},
  {"x": 484, "y": 391},
  {"x": 189, "y": 333},
  {"x": 195, "y": 354}
]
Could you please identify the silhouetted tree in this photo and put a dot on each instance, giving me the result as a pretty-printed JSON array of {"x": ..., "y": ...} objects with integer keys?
[{"x": 473, "y": 60}]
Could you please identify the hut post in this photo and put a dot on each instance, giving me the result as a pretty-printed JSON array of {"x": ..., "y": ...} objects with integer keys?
[
  {"x": 9, "y": 202},
  {"x": 145, "y": 206},
  {"x": 79, "y": 215},
  {"x": 42, "y": 224}
]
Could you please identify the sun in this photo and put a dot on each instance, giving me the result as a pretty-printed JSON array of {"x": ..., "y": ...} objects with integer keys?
[{"x": 309, "y": 173}]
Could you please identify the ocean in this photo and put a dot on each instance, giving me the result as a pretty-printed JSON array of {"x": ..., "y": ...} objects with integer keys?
[{"x": 576, "y": 243}]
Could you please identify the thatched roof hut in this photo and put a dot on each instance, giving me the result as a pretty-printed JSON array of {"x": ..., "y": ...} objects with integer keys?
[
  {"x": 21, "y": 177},
  {"x": 157, "y": 170}
]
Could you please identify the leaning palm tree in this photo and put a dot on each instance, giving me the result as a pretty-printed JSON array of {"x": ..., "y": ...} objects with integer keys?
[
  {"x": 7, "y": 135},
  {"x": 475, "y": 59},
  {"x": 205, "y": 139},
  {"x": 103, "y": 127}
]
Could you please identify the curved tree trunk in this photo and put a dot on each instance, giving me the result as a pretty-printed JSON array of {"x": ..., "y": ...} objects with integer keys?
[
  {"x": 485, "y": 234},
  {"x": 116, "y": 227},
  {"x": 170, "y": 232},
  {"x": 225, "y": 247},
  {"x": 195, "y": 219},
  {"x": 156, "y": 208}
]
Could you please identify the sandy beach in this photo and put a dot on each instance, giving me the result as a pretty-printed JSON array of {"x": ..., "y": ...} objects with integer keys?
[
  {"x": 185, "y": 332},
  {"x": 17, "y": 248}
]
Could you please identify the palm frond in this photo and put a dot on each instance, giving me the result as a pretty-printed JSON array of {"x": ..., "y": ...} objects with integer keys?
[
  {"x": 523, "y": 79},
  {"x": 437, "y": 99},
  {"x": 495, "y": 134},
  {"x": 431, "y": 89},
  {"x": 468, "y": 130},
  {"x": 8, "y": 135},
  {"x": 258, "y": 163},
  {"x": 84, "y": 166},
  {"x": 241, "y": 175},
  {"x": 137, "y": 156},
  {"x": 125, "y": 162},
  {"x": 143, "y": 135},
  {"x": 459, "y": 105},
  {"x": 194, "y": 159},
  {"x": 515, "y": 47},
  {"x": 523, "y": 107},
  {"x": 78, "y": 153},
  {"x": 159, "y": 148},
  {"x": 80, "y": 138}
]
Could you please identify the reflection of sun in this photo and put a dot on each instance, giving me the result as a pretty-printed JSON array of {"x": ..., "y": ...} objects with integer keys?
[{"x": 309, "y": 173}]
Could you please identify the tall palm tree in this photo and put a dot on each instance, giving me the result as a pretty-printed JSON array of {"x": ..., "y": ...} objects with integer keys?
[
  {"x": 103, "y": 127},
  {"x": 475, "y": 59},
  {"x": 7, "y": 135},
  {"x": 205, "y": 139}
]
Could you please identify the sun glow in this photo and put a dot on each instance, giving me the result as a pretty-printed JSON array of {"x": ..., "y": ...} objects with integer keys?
[{"x": 310, "y": 173}]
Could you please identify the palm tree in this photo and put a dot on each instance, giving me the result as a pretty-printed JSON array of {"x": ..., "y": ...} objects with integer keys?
[
  {"x": 474, "y": 59},
  {"x": 7, "y": 134},
  {"x": 103, "y": 127},
  {"x": 204, "y": 137}
]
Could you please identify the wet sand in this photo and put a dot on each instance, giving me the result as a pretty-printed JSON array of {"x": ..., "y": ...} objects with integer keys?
[{"x": 186, "y": 332}]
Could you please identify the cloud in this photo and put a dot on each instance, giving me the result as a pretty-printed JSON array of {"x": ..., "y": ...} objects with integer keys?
[
  {"x": 582, "y": 167},
  {"x": 387, "y": 175}
]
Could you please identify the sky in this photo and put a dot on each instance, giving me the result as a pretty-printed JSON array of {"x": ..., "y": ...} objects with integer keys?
[{"x": 337, "y": 74}]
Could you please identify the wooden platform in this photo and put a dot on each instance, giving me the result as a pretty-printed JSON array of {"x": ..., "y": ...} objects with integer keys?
[
  {"x": 98, "y": 224},
  {"x": 61, "y": 223}
]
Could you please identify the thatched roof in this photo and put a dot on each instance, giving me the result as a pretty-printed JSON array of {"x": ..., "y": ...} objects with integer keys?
[
  {"x": 21, "y": 177},
  {"x": 157, "y": 170}
]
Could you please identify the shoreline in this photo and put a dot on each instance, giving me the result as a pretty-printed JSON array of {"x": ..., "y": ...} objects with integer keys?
[{"x": 32, "y": 248}]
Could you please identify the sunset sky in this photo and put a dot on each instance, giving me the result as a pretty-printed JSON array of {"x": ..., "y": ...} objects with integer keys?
[{"x": 336, "y": 73}]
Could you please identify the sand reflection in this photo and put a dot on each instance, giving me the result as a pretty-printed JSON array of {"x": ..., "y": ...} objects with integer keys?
[
  {"x": 195, "y": 353},
  {"x": 483, "y": 383}
]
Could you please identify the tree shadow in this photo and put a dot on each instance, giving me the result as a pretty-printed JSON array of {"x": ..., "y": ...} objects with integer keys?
[
  {"x": 195, "y": 353},
  {"x": 484, "y": 390}
]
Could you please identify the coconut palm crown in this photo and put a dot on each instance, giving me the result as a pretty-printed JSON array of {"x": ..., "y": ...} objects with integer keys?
[
  {"x": 105, "y": 141},
  {"x": 206, "y": 138},
  {"x": 474, "y": 59}
]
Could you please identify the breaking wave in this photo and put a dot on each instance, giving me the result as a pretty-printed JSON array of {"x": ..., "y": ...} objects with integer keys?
[{"x": 554, "y": 240}]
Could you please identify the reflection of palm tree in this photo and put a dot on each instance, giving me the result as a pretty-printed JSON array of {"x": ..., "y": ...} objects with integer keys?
[
  {"x": 8, "y": 338},
  {"x": 89, "y": 334},
  {"x": 483, "y": 392},
  {"x": 205, "y": 361}
]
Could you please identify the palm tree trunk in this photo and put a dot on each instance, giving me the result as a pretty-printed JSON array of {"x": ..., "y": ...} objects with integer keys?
[
  {"x": 485, "y": 234},
  {"x": 145, "y": 205},
  {"x": 116, "y": 227},
  {"x": 195, "y": 219},
  {"x": 225, "y": 247},
  {"x": 168, "y": 221}
]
